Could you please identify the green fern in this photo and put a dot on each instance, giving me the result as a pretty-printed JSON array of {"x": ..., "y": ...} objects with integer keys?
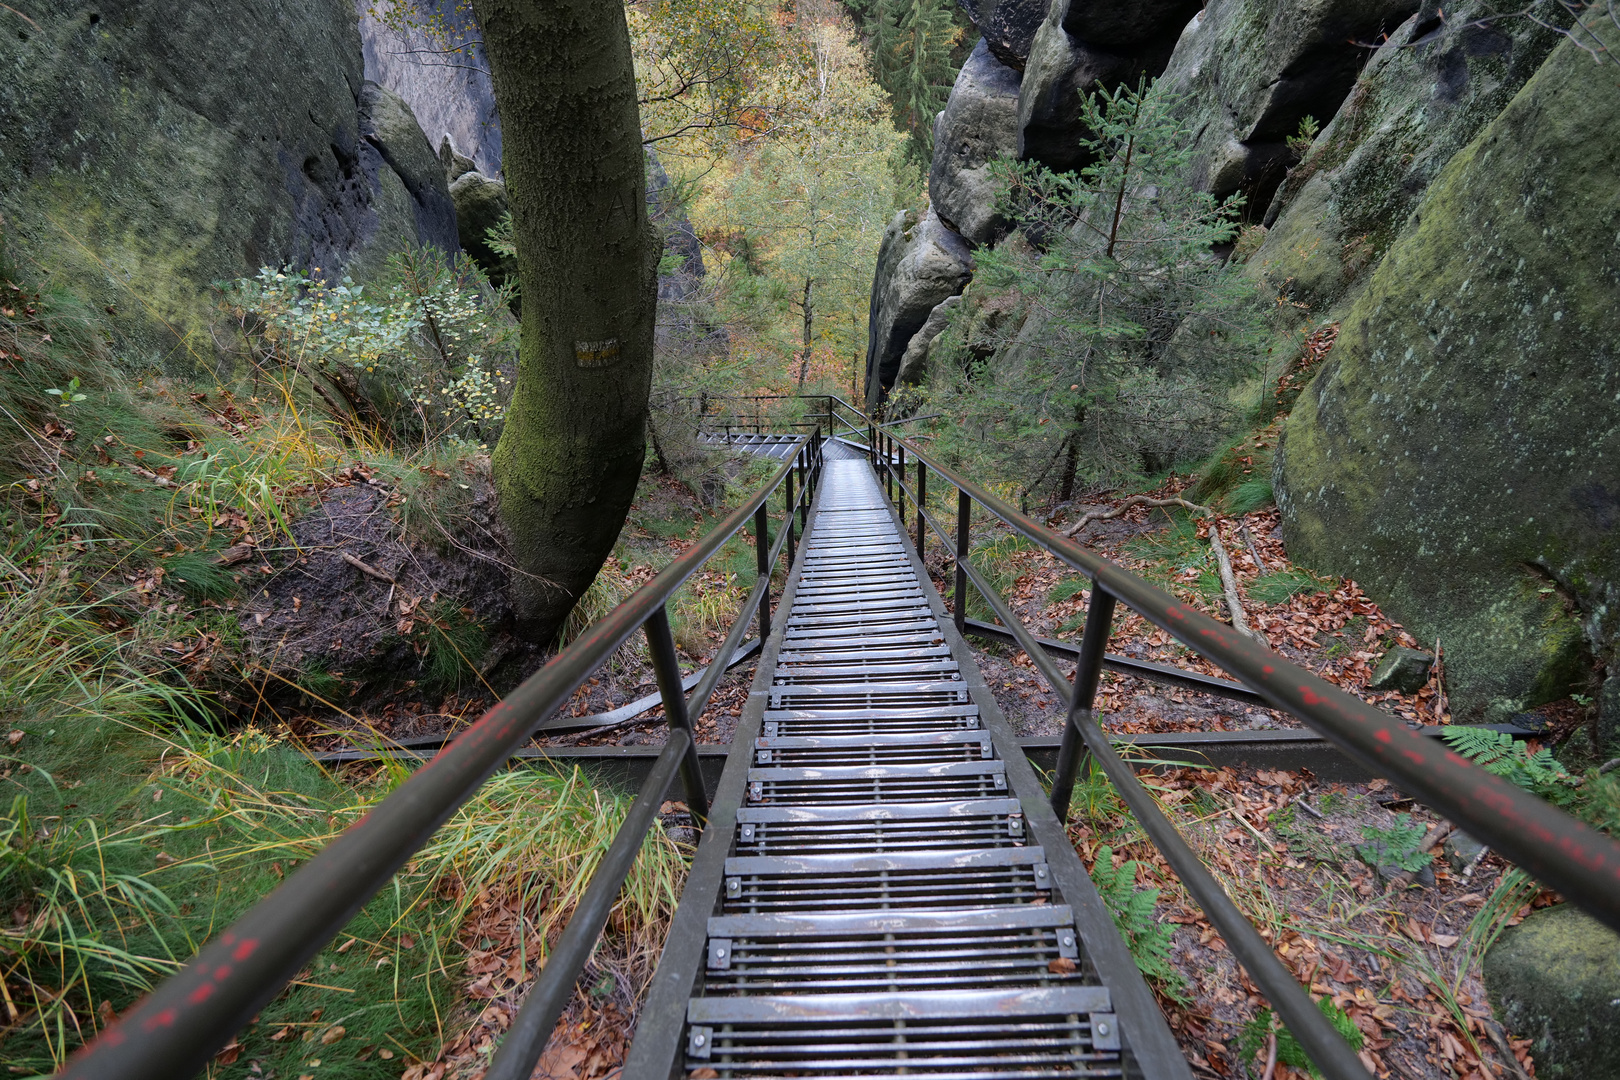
[
  {"x": 1500, "y": 753},
  {"x": 1132, "y": 909},
  {"x": 1289, "y": 1052},
  {"x": 1396, "y": 846}
]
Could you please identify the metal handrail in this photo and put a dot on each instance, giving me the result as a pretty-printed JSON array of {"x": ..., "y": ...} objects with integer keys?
[
  {"x": 179, "y": 1027},
  {"x": 1576, "y": 859}
]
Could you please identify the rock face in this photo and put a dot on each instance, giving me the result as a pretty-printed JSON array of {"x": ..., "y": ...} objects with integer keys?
[
  {"x": 1007, "y": 26},
  {"x": 451, "y": 95},
  {"x": 390, "y": 130},
  {"x": 1457, "y": 454},
  {"x": 1422, "y": 97},
  {"x": 1083, "y": 45},
  {"x": 1246, "y": 72},
  {"x": 1555, "y": 979},
  {"x": 150, "y": 149},
  {"x": 919, "y": 265},
  {"x": 979, "y": 125},
  {"x": 914, "y": 363}
]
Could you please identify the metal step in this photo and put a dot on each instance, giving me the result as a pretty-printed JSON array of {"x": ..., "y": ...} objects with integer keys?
[{"x": 879, "y": 907}]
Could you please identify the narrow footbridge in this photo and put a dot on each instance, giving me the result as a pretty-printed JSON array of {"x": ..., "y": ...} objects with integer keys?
[{"x": 883, "y": 885}]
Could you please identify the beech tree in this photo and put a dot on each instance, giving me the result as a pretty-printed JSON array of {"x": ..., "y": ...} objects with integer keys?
[
  {"x": 817, "y": 194},
  {"x": 569, "y": 458}
]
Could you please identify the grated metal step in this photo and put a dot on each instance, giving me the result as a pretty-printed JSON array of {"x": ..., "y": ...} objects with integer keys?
[{"x": 881, "y": 910}]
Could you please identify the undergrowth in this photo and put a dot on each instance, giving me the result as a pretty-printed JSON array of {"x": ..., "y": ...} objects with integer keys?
[{"x": 114, "y": 875}]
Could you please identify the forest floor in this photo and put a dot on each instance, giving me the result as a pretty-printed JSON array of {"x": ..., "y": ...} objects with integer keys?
[{"x": 1310, "y": 862}]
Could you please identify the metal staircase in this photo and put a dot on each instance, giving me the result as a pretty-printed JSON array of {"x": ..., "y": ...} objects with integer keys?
[
  {"x": 881, "y": 906},
  {"x": 883, "y": 885}
]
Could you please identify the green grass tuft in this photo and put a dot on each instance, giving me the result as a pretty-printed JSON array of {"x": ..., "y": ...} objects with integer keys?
[
  {"x": 200, "y": 577},
  {"x": 1284, "y": 584}
]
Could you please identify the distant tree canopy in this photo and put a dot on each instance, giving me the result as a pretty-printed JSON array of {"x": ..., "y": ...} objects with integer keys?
[{"x": 912, "y": 43}]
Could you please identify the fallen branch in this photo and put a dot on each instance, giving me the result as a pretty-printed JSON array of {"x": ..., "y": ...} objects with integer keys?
[
  {"x": 1254, "y": 551},
  {"x": 366, "y": 568},
  {"x": 1134, "y": 500},
  {"x": 1240, "y": 622},
  {"x": 1271, "y": 1056}
]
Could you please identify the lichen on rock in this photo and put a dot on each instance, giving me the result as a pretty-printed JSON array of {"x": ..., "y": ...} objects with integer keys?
[{"x": 1457, "y": 453}]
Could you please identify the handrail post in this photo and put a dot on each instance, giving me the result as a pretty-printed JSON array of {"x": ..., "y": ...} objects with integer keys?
[
  {"x": 762, "y": 547},
  {"x": 787, "y": 500},
  {"x": 900, "y": 484},
  {"x": 964, "y": 518},
  {"x": 922, "y": 501},
  {"x": 1087, "y": 672},
  {"x": 804, "y": 490},
  {"x": 661, "y": 646}
]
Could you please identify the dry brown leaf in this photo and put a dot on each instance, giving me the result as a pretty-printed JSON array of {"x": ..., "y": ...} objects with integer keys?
[
  {"x": 333, "y": 1034},
  {"x": 704, "y": 1073},
  {"x": 1061, "y": 966}
]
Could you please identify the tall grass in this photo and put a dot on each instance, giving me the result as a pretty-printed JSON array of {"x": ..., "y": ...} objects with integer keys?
[{"x": 104, "y": 904}]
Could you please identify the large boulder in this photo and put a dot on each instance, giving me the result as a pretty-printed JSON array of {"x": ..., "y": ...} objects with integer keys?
[
  {"x": 1423, "y": 96},
  {"x": 919, "y": 264},
  {"x": 1007, "y": 27},
  {"x": 1084, "y": 45},
  {"x": 148, "y": 150},
  {"x": 392, "y": 138},
  {"x": 1457, "y": 453},
  {"x": 481, "y": 202},
  {"x": 1245, "y": 73},
  {"x": 451, "y": 94},
  {"x": 1555, "y": 980},
  {"x": 978, "y": 126}
]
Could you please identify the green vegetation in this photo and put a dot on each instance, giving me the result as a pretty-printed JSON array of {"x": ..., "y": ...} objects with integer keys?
[
  {"x": 1132, "y": 911},
  {"x": 1116, "y": 342},
  {"x": 1395, "y": 847},
  {"x": 1275, "y": 588},
  {"x": 1252, "y": 1042},
  {"x": 125, "y": 849}
]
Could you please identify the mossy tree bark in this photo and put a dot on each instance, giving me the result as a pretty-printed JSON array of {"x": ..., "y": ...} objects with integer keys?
[{"x": 569, "y": 458}]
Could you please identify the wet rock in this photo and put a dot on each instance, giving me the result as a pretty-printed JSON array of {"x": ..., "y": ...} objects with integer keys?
[
  {"x": 1455, "y": 453},
  {"x": 1406, "y": 670},
  {"x": 978, "y": 125},
  {"x": 919, "y": 265},
  {"x": 1555, "y": 979}
]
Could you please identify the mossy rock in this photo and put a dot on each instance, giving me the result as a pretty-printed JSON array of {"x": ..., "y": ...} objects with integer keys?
[
  {"x": 149, "y": 150},
  {"x": 1421, "y": 98},
  {"x": 1555, "y": 979},
  {"x": 1457, "y": 453},
  {"x": 480, "y": 204}
]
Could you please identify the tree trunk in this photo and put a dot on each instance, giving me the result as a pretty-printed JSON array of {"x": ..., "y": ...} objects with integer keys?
[
  {"x": 804, "y": 360},
  {"x": 570, "y": 456}
]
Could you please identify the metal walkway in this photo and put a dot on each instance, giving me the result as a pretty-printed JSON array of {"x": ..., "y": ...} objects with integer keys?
[{"x": 880, "y": 905}]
